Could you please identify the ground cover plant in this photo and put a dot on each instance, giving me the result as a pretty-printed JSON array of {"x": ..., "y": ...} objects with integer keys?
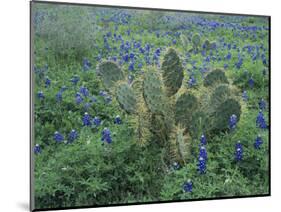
[{"x": 137, "y": 106}]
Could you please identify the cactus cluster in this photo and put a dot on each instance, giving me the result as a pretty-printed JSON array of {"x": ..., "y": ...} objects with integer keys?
[{"x": 162, "y": 109}]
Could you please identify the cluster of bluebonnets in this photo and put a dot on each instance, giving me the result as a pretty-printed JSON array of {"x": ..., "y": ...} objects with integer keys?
[{"x": 136, "y": 49}]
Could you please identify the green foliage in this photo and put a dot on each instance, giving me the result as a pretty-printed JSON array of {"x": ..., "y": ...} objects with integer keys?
[
  {"x": 172, "y": 72},
  {"x": 66, "y": 31},
  {"x": 215, "y": 77}
]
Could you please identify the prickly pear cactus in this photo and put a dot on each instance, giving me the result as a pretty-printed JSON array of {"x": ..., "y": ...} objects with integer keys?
[
  {"x": 220, "y": 94},
  {"x": 185, "y": 106},
  {"x": 126, "y": 97},
  {"x": 172, "y": 72},
  {"x": 153, "y": 92},
  {"x": 215, "y": 77},
  {"x": 223, "y": 112},
  {"x": 110, "y": 73},
  {"x": 179, "y": 145},
  {"x": 184, "y": 41},
  {"x": 196, "y": 38}
]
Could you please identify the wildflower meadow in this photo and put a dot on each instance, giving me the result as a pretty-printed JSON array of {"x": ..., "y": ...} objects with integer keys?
[{"x": 138, "y": 106}]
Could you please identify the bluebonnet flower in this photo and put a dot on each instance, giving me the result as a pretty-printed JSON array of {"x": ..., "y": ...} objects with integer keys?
[
  {"x": 225, "y": 66},
  {"x": 72, "y": 135},
  {"x": 262, "y": 104},
  {"x": 40, "y": 95},
  {"x": 59, "y": 96},
  {"x": 140, "y": 65},
  {"x": 96, "y": 121},
  {"x": 191, "y": 81},
  {"x": 238, "y": 151},
  {"x": 84, "y": 91},
  {"x": 107, "y": 99},
  {"x": 187, "y": 186},
  {"x": 263, "y": 59},
  {"x": 245, "y": 96},
  {"x": 251, "y": 82},
  {"x": 239, "y": 63},
  {"x": 125, "y": 57},
  {"x": 228, "y": 56},
  {"x": 258, "y": 142},
  {"x": 75, "y": 80},
  {"x": 86, "y": 64},
  {"x": 86, "y": 120},
  {"x": 58, "y": 137},
  {"x": 174, "y": 41},
  {"x": 203, "y": 153},
  {"x": 201, "y": 166},
  {"x": 37, "y": 149},
  {"x": 131, "y": 66},
  {"x": 117, "y": 120},
  {"x": 106, "y": 135},
  {"x": 232, "y": 121},
  {"x": 63, "y": 88},
  {"x": 203, "y": 140},
  {"x": 132, "y": 55},
  {"x": 78, "y": 98},
  {"x": 176, "y": 165},
  {"x": 103, "y": 93},
  {"x": 47, "y": 82},
  {"x": 260, "y": 121}
]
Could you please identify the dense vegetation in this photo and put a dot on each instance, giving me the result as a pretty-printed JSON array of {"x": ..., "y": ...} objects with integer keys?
[{"x": 138, "y": 106}]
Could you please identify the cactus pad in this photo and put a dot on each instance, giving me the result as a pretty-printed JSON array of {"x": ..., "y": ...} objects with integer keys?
[
  {"x": 220, "y": 94},
  {"x": 110, "y": 73},
  {"x": 196, "y": 40},
  {"x": 223, "y": 113},
  {"x": 215, "y": 77},
  {"x": 185, "y": 106},
  {"x": 153, "y": 92},
  {"x": 126, "y": 97},
  {"x": 172, "y": 72}
]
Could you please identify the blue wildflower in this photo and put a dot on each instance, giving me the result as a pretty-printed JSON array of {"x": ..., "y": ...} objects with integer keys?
[
  {"x": 86, "y": 64},
  {"x": 174, "y": 41},
  {"x": 176, "y": 165},
  {"x": 75, "y": 80},
  {"x": 191, "y": 81},
  {"x": 78, "y": 98},
  {"x": 238, "y": 151},
  {"x": 96, "y": 121},
  {"x": 245, "y": 96},
  {"x": 84, "y": 91},
  {"x": 260, "y": 121},
  {"x": 72, "y": 135},
  {"x": 58, "y": 137},
  {"x": 117, "y": 120},
  {"x": 232, "y": 121},
  {"x": 47, "y": 82},
  {"x": 201, "y": 166},
  {"x": 86, "y": 120},
  {"x": 59, "y": 96},
  {"x": 228, "y": 56},
  {"x": 131, "y": 66},
  {"x": 262, "y": 104},
  {"x": 203, "y": 153},
  {"x": 203, "y": 140},
  {"x": 106, "y": 135},
  {"x": 258, "y": 142},
  {"x": 251, "y": 82},
  {"x": 187, "y": 186},
  {"x": 37, "y": 149},
  {"x": 40, "y": 95}
]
